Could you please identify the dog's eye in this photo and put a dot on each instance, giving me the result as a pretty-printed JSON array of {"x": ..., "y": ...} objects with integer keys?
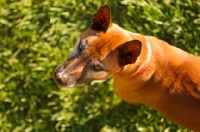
[
  {"x": 83, "y": 45},
  {"x": 80, "y": 47},
  {"x": 98, "y": 66}
]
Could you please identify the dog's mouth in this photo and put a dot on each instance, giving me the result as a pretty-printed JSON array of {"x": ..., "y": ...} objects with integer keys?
[{"x": 69, "y": 80}]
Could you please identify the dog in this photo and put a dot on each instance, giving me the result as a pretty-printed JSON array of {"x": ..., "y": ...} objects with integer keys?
[{"x": 145, "y": 70}]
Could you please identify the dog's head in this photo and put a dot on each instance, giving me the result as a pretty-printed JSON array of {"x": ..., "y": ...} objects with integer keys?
[{"x": 101, "y": 51}]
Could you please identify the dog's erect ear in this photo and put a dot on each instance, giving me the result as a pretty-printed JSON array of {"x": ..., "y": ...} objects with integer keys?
[
  {"x": 102, "y": 18},
  {"x": 128, "y": 52}
]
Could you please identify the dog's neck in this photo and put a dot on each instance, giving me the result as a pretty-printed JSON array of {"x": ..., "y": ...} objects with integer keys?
[
  {"x": 143, "y": 60},
  {"x": 146, "y": 61}
]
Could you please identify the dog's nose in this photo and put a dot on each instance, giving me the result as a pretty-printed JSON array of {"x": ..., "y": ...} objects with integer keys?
[{"x": 59, "y": 77}]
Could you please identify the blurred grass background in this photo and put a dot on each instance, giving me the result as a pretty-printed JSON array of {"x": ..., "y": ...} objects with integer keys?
[{"x": 37, "y": 35}]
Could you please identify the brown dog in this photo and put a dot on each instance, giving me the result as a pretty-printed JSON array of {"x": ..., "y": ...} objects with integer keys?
[{"x": 145, "y": 69}]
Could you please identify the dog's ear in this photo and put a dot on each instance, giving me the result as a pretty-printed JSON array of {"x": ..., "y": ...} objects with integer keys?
[
  {"x": 128, "y": 52},
  {"x": 102, "y": 18}
]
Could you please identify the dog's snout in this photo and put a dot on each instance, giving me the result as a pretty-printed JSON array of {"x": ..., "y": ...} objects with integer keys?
[
  {"x": 64, "y": 66},
  {"x": 67, "y": 74},
  {"x": 58, "y": 77}
]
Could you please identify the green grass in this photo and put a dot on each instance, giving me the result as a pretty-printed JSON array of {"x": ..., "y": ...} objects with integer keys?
[{"x": 38, "y": 35}]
